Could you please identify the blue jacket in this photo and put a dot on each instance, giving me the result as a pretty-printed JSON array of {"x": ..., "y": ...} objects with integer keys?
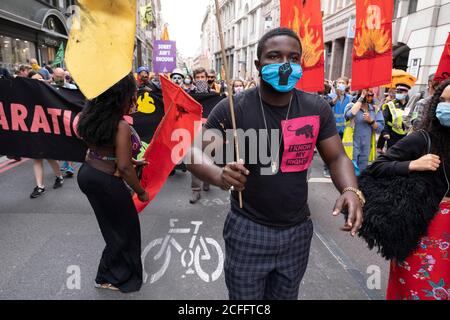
[{"x": 339, "y": 110}]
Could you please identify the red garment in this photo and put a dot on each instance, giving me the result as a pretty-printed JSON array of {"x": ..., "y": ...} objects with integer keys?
[{"x": 425, "y": 275}]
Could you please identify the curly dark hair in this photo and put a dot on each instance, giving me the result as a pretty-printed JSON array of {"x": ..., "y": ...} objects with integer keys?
[
  {"x": 100, "y": 118},
  {"x": 440, "y": 135}
]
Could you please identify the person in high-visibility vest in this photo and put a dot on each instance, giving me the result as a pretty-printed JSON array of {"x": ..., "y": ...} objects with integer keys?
[
  {"x": 339, "y": 101},
  {"x": 363, "y": 121},
  {"x": 394, "y": 129},
  {"x": 389, "y": 96}
]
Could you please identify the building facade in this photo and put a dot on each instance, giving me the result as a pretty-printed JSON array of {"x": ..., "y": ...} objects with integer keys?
[
  {"x": 420, "y": 29},
  {"x": 36, "y": 28},
  {"x": 146, "y": 34},
  {"x": 243, "y": 23},
  {"x": 32, "y": 29}
]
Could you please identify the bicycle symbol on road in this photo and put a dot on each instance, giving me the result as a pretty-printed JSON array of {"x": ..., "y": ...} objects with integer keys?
[{"x": 197, "y": 252}]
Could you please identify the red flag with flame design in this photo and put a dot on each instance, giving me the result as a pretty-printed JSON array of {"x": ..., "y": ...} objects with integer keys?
[
  {"x": 372, "y": 49},
  {"x": 305, "y": 18}
]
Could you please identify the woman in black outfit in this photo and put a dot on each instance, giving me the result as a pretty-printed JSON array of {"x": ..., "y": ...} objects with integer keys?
[
  {"x": 425, "y": 274},
  {"x": 101, "y": 178}
]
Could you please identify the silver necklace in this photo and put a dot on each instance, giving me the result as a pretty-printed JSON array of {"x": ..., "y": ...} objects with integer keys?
[{"x": 274, "y": 163}]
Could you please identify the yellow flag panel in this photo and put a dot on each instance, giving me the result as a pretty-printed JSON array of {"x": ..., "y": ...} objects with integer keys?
[{"x": 100, "y": 48}]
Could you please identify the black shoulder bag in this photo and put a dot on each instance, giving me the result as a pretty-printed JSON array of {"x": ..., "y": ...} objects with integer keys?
[{"x": 397, "y": 211}]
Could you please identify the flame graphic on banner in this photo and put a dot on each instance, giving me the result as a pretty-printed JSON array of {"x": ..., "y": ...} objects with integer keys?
[
  {"x": 372, "y": 39},
  {"x": 311, "y": 44},
  {"x": 370, "y": 42}
]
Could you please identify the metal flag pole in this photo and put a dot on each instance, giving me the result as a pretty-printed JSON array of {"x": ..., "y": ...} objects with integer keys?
[{"x": 229, "y": 88}]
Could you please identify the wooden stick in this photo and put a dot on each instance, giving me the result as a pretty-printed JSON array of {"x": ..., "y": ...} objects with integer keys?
[{"x": 229, "y": 89}]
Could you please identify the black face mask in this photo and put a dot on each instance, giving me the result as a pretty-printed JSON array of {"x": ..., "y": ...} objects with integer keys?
[{"x": 210, "y": 82}]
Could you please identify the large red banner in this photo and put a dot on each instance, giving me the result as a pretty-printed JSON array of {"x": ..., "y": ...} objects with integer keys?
[
  {"x": 443, "y": 71},
  {"x": 305, "y": 18},
  {"x": 372, "y": 49}
]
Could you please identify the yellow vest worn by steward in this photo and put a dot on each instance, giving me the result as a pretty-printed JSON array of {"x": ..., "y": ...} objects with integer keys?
[
  {"x": 347, "y": 141},
  {"x": 397, "y": 118}
]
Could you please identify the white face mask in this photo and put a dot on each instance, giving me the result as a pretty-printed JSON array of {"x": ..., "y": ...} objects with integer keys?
[
  {"x": 238, "y": 89},
  {"x": 400, "y": 96},
  {"x": 187, "y": 81}
]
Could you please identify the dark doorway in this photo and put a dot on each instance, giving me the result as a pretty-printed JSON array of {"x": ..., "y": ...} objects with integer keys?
[{"x": 400, "y": 56}]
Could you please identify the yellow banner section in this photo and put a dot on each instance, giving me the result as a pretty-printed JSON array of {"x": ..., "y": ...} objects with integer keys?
[
  {"x": 165, "y": 34},
  {"x": 100, "y": 48}
]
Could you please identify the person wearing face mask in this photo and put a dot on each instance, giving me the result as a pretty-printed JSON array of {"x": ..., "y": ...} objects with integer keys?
[
  {"x": 201, "y": 87},
  {"x": 201, "y": 80},
  {"x": 143, "y": 81},
  {"x": 363, "y": 122},
  {"x": 418, "y": 110},
  {"x": 339, "y": 101},
  {"x": 389, "y": 96},
  {"x": 267, "y": 241},
  {"x": 238, "y": 86},
  {"x": 59, "y": 80},
  {"x": 211, "y": 78},
  {"x": 44, "y": 72},
  {"x": 425, "y": 274},
  {"x": 177, "y": 77},
  {"x": 188, "y": 84},
  {"x": 394, "y": 129}
]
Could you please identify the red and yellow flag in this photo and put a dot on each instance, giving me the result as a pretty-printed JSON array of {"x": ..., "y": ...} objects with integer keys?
[
  {"x": 443, "y": 71},
  {"x": 372, "y": 49},
  {"x": 305, "y": 18}
]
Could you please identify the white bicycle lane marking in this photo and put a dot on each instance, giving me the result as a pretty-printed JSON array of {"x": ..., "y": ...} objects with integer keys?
[{"x": 191, "y": 257}]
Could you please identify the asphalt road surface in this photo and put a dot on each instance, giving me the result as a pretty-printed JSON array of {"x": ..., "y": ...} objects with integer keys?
[{"x": 50, "y": 246}]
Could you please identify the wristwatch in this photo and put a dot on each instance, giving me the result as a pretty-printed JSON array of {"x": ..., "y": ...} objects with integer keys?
[{"x": 357, "y": 192}]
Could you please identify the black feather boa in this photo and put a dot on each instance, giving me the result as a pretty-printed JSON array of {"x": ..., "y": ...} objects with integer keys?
[{"x": 397, "y": 213}]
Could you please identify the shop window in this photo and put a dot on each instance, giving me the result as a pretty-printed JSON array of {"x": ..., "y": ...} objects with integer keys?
[{"x": 14, "y": 52}]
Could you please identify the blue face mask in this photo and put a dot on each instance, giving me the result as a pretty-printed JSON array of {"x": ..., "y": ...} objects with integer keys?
[
  {"x": 443, "y": 113},
  {"x": 282, "y": 76},
  {"x": 400, "y": 96},
  {"x": 342, "y": 87}
]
